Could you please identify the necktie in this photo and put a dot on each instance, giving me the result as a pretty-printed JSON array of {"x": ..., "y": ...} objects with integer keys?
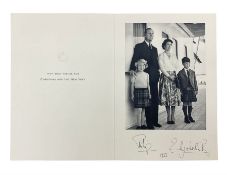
[
  {"x": 188, "y": 76},
  {"x": 188, "y": 73},
  {"x": 150, "y": 46}
]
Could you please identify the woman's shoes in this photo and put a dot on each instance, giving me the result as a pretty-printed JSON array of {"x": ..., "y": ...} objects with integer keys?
[{"x": 170, "y": 122}]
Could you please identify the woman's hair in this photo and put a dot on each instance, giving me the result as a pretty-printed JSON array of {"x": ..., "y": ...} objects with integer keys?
[
  {"x": 166, "y": 41},
  {"x": 141, "y": 61}
]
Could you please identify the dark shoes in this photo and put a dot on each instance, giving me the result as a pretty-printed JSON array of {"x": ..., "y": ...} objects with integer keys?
[
  {"x": 158, "y": 125},
  {"x": 141, "y": 127},
  {"x": 150, "y": 127},
  {"x": 186, "y": 120},
  {"x": 191, "y": 119},
  {"x": 171, "y": 122}
]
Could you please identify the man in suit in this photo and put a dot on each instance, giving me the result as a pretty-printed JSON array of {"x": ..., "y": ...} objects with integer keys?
[
  {"x": 188, "y": 88},
  {"x": 147, "y": 51}
]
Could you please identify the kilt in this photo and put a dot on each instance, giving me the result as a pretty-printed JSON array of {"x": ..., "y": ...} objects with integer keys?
[
  {"x": 169, "y": 94},
  {"x": 188, "y": 96},
  {"x": 141, "y": 98}
]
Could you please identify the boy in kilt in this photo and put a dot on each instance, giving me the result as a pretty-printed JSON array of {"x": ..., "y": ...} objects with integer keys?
[{"x": 188, "y": 88}]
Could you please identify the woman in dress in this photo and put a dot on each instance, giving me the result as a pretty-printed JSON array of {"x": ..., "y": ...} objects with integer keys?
[{"x": 169, "y": 94}]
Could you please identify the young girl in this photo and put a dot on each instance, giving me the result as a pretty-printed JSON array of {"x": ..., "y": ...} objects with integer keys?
[{"x": 140, "y": 92}]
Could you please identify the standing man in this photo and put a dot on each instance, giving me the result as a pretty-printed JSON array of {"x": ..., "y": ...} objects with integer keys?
[{"x": 146, "y": 51}]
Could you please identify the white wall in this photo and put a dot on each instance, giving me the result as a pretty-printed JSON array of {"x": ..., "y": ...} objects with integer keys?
[
  {"x": 129, "y": 44},
  {"x": 200, "y": 68}
]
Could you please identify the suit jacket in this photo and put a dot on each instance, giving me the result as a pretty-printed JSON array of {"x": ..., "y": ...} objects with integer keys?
[
  {"x": 142, "y": 51},
  {"x": 183, "y": 80}
]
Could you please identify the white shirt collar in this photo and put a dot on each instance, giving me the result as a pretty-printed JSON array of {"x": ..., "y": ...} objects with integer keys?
[
  {"x": 147, "y": 43},
  {"x": 186, "y": 70}
]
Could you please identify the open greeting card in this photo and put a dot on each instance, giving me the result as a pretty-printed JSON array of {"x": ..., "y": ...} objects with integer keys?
[{"x": 103, "y": 87}]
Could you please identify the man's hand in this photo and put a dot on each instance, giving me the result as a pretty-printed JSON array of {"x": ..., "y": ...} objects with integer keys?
[{"x": 196, "y": 92}]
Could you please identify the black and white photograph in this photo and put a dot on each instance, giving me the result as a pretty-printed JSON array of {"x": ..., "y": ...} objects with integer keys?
[{"x": 165, "y": 76}]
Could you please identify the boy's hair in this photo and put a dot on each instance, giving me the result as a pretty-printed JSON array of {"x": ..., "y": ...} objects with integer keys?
[
  {"x": 141, "y": 61},
  {"x": 185, "y": 59}
]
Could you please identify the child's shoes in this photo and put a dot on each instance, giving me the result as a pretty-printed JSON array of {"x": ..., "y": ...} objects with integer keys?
[
  {"x": 186, "y": 120},
  {"x": 143, "y": 127},
  {"x": 191, "y": 119}
]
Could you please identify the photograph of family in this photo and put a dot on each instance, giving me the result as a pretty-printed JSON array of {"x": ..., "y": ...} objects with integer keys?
[{"x": 165, "y": 76}]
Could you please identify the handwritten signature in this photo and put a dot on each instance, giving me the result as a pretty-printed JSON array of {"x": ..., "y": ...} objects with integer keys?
[
  {"x": 182, "y": 147},
  {"x": 142, "y": 144}
]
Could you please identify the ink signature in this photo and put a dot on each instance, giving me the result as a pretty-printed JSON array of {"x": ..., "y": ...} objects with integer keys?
[
  {"x": 142, "y": 144},
  {"x": 182, "y": 147}
]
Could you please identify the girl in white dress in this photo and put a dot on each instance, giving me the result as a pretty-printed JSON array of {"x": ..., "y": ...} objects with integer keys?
[{"x": 140, "y": 92}]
